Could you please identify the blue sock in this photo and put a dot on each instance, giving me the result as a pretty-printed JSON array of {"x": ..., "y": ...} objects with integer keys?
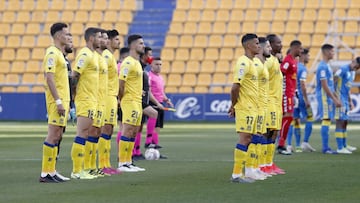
[
  {"x": 290, "y": 134},
  {"x": 308, "y": 130},
  {"x": 344, "y": 138},
  {"x": 325, "y": 135},
  {"x": 297, "y": 136}
]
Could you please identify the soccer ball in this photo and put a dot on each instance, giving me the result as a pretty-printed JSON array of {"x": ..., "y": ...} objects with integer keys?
[{"x": 152, "y": 154}]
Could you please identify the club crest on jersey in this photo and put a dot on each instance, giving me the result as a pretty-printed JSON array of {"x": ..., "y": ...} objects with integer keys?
[
  {"x": 241, "y": 73},
  {"x": 50, "y": 62},
  {"x": 126, "y": 71},
  {"x": 286, "y": 66},
  {"x": 80, "y": 63},
  {"x": 322, "y": 73}
]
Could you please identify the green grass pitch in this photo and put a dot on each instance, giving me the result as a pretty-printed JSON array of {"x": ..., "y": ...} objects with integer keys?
[{"x": 198, "y": 170}]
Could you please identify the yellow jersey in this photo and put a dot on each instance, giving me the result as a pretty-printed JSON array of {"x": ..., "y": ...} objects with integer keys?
[
  {"x": 113, "y": 76},
  {"x": 87, "y": 65},
  {"x": 131, "y": 72},
  {"x": 103, "y": 79},
  {"x": 275, "y": 80},
  {"x": 246, "y": 74},
  {"x": 54, "y": 62},
  {"x": 263, "y": 77}
]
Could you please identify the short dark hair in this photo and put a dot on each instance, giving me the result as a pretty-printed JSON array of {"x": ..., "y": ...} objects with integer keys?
[
  {"x": 132, "y": 38},
  {"x": 147, "y": 49},
  {"x": 295, "y": 43},
  {"x": 112, "y": 33},
  {"x": 357, "y": 59},
  {"x": 57, "y": 27},
  {"x": 102, "y": 31},
  {"x": 91, "y": 31},
  {"x": 124, "y": 50},
  {"x": 305, "y": 51},
  {"x": 271, "y": 37},
  {"x": 326, "y": 47},
  {"x": 262, "y": 40},
  {"x": 247, "y": 37},
  {"x": 159, "y": 59}
]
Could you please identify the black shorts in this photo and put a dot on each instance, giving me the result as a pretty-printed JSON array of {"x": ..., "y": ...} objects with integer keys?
[
  {"x": 119, "y": 115},
  {"x": 160, "y": 118}
]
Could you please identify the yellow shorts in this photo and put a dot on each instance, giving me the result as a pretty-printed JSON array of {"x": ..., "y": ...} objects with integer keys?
[
  {"x": 110, "y": 113},
  {"x": 260, "y": 122},
  {"x": 245, "y": 121},
  {"x": 273, "y": 117},
  {"x": 99, "y": 116},
  {"x": 53, "y": 116},
  {"x": 132, "y": 112},
  {"x": 85, "y": 108}
]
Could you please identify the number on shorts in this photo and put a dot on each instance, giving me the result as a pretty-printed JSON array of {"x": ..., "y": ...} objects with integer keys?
[
  {"x": 273, "y": 115},
  {"x": 260, "y": 119},
  {"x": 112, "y": 113},
  {"x": 99, "y": 114},
  {"x": 249, "y": 120},
  {"x": 134, "y": 114},
  {"x": 90, "y": 113}
]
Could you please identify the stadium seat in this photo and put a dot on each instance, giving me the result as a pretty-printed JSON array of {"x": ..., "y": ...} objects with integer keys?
[
  {"x": 129, "y": 5},
  {"x": 183, "y": 4},
  {"x": 197, "y": 54},
  {"x": 230, "y": 41},
  {"x": 99, "y": 5},
  {"x": 351, "y": 26},
  {"x": 292, "y": 27},
  {"x": 86, "y": 5},
  {"x": 8, "y": 17},
  {"x": 208, "y": 16},
  {"x": 23, "y": 88},
  {"x": 305, "y": 39},
  {"x": 38, "y": 16},
  {"x": 2, "y": 78},
  {"x": 321, "y": 27},
  {"x": 33, "y": 66},
  {"x": 81, "y": 16},
  {"x": 201, "y": 89},
  {"x": 286, "y": 40},
  {"x": 114, "y": 5},
  {"x": 167, "y": 54},
  {"x": 2, "y": 41},
  {"x": 295, "y": 15},
  {"x": 314, "y": 4},
  {"x": 201, "y": 41},
  {"x": 193, "y": 16},
  {"x": 204, "y": 79},
  {"x": 193, "y": 67},
  {"x": 182, "y": 54},
  {"x": 233, "y": 28},
  {"x": 42, "y": 5},
  {"x": 204, "y": 28},
  {"x": 307, "y": 27},
  {"x": 263, "y": 28},
  {"x": 197, "y": 5},
  {"x": 23, "y": 54},
  {"x": 189, "y": 28},
  {"x": 280, "y": 15},
  {"x": 207, "y": 66},
  {"x": 43, "y": 41},
  {"x": 13, "y": 41},
  {"x": 215, "y": 41},
  {"x": 23, "y": 17},
  {"x": 238, "y": 52},
  {"x": 248, "y": 27},
  {"x": 349, "y": 40},
  {"x": 8, "y": 89},
  {"x": 28, "y": 5},
  {"x": 14, "y": 6},
  {"x": 222, "y": 15},
  {"x": 179, "y": 16},
  {"x": 268, "y": 4},
  {"x": 251, "y": 15},
  {"x": 254, "y": 4},
  {"x": 345, "y": 56},
  {"x": 77, "y": 28},
  {"x": 353, "y": 12},
  {"x": 186, "y": 89},
  {"x": 310, "y": 15},
  {"x": 178, "y": 67},
  {"x": 240, "y": 4},
  {"x": 211, "y": 5},
  {"x": 186, "y": 41},
  {"x": 96, "y": 16},
  {"x": 219, "y": 28},
  {"x": 284, "y": 4},
  {"x": 8, "y": 54},
  {"x": 12, "y": 78},
  {"x": 29, "y": 78},
  {"x": 317, "y": 40},
  {"x": 342, "y": 4},
  {"x": 226, "y": 54},
  {"x": 174, "y": 80},
  {"x": 170, "y": 89},
  {"x": 227, "y": 89},
  {"x": 67, "y": 16},
  {"x": 125, "y": 16},
  {"x": 226, "y": 4},
  {"x": 5, "y": 28},
  {"x": 176, "y": 28},
  {"x": 38, "y": 89},
  {"x": 217, "y": 89},
  {"x": 53, "y": 16},
  {"x": 57, "y": 5},
  {"x": 266, "y": 15},
  {"x": 37, "y": 53},
  {"x": 171, "y": 41},
  {"x": 5, "y": 68},
  {"x": 18, "y": 67},
  {"x": 110, "y": 16},
  {"x": 72, "y": 5},
  {"x": 236, "y": 16},
  {"x": 325, "y": 15},
  {"x": 189, "y": 79},
  {"x": 40, "y": 78},
  {"x": 18, "y": 29},
  {"x": 223, "y": 66},
  {"x": 219, "y": 78},
  {"x": 211, "y": 54}
]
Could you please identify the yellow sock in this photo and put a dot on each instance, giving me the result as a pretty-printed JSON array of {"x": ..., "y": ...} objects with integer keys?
[
  {"x": 258, "y": 154},
  {"x": 93, "y": 156},
  {"x": 102, "y": 152},
  {"x": 270, "y": 153},
  {"x": 123, "y": 148},
  {"x": 77, "y": 154},
  {"x": 55, "y": 152},
  {"x": 240, "y": 156},
  {"x": 47, "y": 158},
  {"x": 108, "y": 153},
  {"x": 130, "y": 151},
  {"x": 251, "y": 156},
  {"x": 263, "y": 154},
  {"x": 87, "y": 155}
]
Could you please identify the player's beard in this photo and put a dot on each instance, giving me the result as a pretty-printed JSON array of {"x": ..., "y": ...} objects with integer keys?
[
  {"x": 266, "y": 55},
  {"x": 68, "y": 50}
]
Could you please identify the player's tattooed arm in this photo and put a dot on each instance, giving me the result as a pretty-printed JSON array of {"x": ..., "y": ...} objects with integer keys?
[{"x": 74, "y": 81}]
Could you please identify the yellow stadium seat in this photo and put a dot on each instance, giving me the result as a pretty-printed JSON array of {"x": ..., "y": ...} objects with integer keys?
[
  {"x": 186, "y": 41},
  {"x": 189, "y": 79},
  {"x": 238, "y": 52},
  {"x": 208, "y": 16},
  {"x": 349, "y": 40},
  {"x": 174, "y": 80},
  {"x": 114, "y": 5},
  {"x": 286, "y": 40},
  {"x": 129, "y": 5},
  {"x": 2, "y": 5},
  {"x": 72, "y": 5},
  {"x": 226, "y": 4},
  {"x": 223, "y": 66},
  {"x": 2, "y": 41},
  {"x": 126, "y": 16},
  {"x": 353, "y": 12},
  {"x": 266, "y": 15},
  {"x": 13, "y": 41},
  {"x": 317, "y": 40},
  {"x": 197, "y": 5},
  {"x": 182, "y": 54},
  {"x": 12, "y": 78},
  {"x": 190, "y": 28},
  {"x": 278, "y": 27},
  {"x": 223, "y": 15},
  {"x": 23, "y": 54},
  {"x": 2, "y": 79},
  {"x": 251, "y": 15},
  {"x": 107, "y": 25},
  {"x": 18, "y": 67},
  {"x": 211, "y": 54},
  {"x": 217, "y": 89},
  {"x": 342, "y": 4},
  {"x": 8, "y": 17},
  {"x": 43, "y": 41},
  {"x": 219, "y": 78},
  {"x": 183, "y": 4},
  {"x": 233, "y": 28},
  {"x": 345, "y": 55},
  {"x": 204, "y": 79},
  {"x": 215, "y": 41},
  {"x": 292, "y": 27},
  {"x": 18, "y": 29},
  {"x": 5, "y": 28},
  {"x": 207, "y": 66},
  {"x": 351, "y": 26},
  {"x": 86, "y": 5},
  {"x": 29, "y": 78},
  {"x": 67, "y": 16},
  {"x": 280, "y": 15},
  {"x": 197, "y": 54},
  {"x": 176, "y": 28},
  {"x": 53, "y": 16},
  {"x": 81, "y": 16},
  {"x": 242, "y": 4},
  {"x": 314, "y": 4},
  {"x": 263, "y": 28},
  {"x": 325, "y": 15},
  {"x": 77, "y": 28},
  {"x": 186, "y": 89},
  {"x": 8, "y": 89},
  {"x": 38, "y": 16},
  {"x": 295, "y": 15},
  {"x": 193, "y": 16},
  {"x": 171, "y": 41},
  {"x": 40, "y": 78},
  {"x": 201, "y": 41},
  {"x": 5, "y": 67},
  {"x": 167, "y": 54},
  {"x": 211, "y": 5},
  {"x": 14, "y": 6},
  {"x": 122, "y": 28},
  {"x": 170, "y": 89},
  {"x": 310, "y": 15},
  {"x": 321, "y": 27},
  {"x": 110, "y": 16},
  {"x": 226, "y": 54},
  {"x": 248, "y": 27},
  {"x": 28, "y": 5},
  {"x": 305, "y": 40},
  {"x": 298, "y": 4},
  {"x": 23, "y": 88},
  {"x": 178, "y": 67},
  {"x": 269, "y": 4},
  {"x": 219, "y": 28},
  {"x": 227, "y": 89},
  {"x": 237, "y": 15},
  {"x": 193, "y": 67},
  {"x": 230, "y": 41},
  {"x": 23, "y": 16},
  {"x": 307, "y": 27},
  {"x": 42, "y": 5},
  {"x": 57, "y": 5},
  {"x": 201, "y": 89},
  {"x": 179, "y": 16},
  {"x": 165, "y": 68},
  {"x": 255, "y": 4},
  {"x": 33, "y": 66},
  {"x": 37, "y": 53},
  {"x": 38, "y": 89},
  {"x": 327, "y": 4},
  {"x": 96, "y": 16},
  {"x": 99, "y": 5},
  {"x": 8, "y": 54}
]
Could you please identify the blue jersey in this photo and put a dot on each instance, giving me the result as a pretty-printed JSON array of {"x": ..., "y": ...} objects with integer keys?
[
  {"x": 301, "y": 76},
  {"x": 344, "y": 82},
  {"x": 324, "y": 72}
]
